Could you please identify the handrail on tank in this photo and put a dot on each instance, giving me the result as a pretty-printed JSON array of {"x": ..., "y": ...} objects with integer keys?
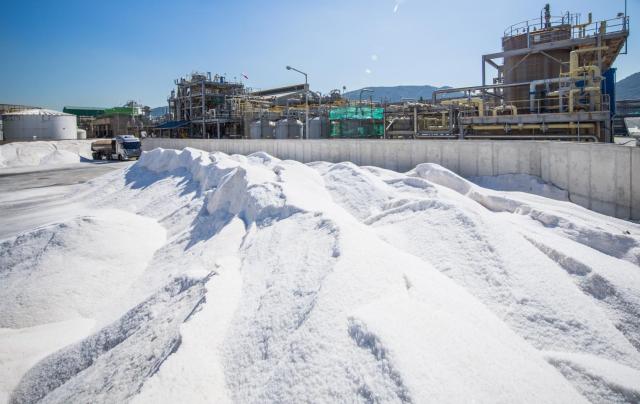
[
  {"x": 616, "y": 24},
  {"x": 537, "y": 24}
]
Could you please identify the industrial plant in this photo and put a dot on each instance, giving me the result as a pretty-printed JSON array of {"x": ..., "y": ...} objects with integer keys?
[{"x": 553, "y": 79}]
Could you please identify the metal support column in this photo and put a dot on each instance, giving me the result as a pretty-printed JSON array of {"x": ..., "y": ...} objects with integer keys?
[
  {"x": 204, "y": 128},
  {"x": 415, "y": 121}
]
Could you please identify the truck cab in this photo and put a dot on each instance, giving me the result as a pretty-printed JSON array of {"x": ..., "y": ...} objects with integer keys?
[
  {"x": 127, "y": 146},
  {"x": 122, "y": 147}
]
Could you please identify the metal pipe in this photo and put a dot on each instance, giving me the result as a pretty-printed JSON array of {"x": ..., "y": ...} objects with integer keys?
[
  {"x": 502, "y": 108},
  {"x": 360, "y": 104},
  {"x": 434, "y": 95},
  {"x": 415, "y": 120},
  {"x": 532, "y": 137},
  {"x": 204, "y": 128},
  {"x": 319, "y": 100},
  {"x": 391, "y": 123},
  {"x": 428, "y": 136},
  {"x": 535, "y": 83}
]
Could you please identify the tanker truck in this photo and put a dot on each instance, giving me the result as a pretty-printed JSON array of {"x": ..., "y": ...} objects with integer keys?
[{"x": 120, "y": 147}]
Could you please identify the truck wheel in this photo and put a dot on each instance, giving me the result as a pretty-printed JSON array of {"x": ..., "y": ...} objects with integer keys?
[
  {"x": 96, "y": 156},
  {"x": 120, "y": 157}
]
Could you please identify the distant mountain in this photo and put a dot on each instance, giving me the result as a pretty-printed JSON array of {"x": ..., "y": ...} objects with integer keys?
[
  {"x": 159, "y": 112},
  {"x": 628, "y": 88},
  {"x": 396, "y": 93}
]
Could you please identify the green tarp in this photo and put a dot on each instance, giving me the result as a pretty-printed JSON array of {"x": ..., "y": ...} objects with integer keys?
[
  {"x": 355, "y": 122},
  {"x": 356, "y": 113}
]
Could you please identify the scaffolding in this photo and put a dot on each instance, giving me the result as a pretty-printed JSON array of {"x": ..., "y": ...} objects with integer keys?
[
  {"x": 211, "y": 105},
  {"x": 356, "y": 122}
]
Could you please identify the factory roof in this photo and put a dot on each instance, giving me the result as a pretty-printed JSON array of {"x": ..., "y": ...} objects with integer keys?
[{"x": 84, "y": 111}]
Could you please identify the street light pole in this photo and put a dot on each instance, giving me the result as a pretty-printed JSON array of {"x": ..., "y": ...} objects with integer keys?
[{"x": 306, "y": 100}]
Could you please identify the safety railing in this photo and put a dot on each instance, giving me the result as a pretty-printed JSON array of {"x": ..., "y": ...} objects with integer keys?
[
  {"x": 612, "y": 25},
  {"x": 539, "y": 23},
  {"x": 546, "y": 105},
  {"x": 543, "y": 32}
]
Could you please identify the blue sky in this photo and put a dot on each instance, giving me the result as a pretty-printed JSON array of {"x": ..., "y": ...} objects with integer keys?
[{"x": 103, "y": 53}]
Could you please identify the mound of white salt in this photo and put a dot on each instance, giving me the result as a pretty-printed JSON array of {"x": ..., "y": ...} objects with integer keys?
[
  {"x": 43, "y": 153},
  {"x": 285, "y": 282}
]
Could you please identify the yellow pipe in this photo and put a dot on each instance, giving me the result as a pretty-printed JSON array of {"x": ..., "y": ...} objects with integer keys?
[
  {"x": 593, "y": 92},
  {"x": 573, "y": 57},
  {"x": 570, "y": 125},
  {"x": 512, "y": 108}
]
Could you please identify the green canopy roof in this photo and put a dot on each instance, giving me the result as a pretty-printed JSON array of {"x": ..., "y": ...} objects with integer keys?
[{"x": 84, "y": 111}]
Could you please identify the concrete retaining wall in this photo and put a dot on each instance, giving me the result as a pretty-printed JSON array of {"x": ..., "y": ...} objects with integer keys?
[{"x": 601, "y": 177}]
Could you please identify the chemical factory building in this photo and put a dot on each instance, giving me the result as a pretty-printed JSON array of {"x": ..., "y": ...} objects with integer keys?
[{"x": 555, "y": 81}]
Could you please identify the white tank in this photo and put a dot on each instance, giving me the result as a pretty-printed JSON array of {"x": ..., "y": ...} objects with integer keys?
[
  {"x": 255, "y": 130},
  {"x": 267, "y": 129},
  {"x": 39, "y": 124},
  {"x": 82, "y": 134},
  {"x": 319, "y": 128},
  {"x": 289, "y": 129},
  {"x": 262, "y": 129}
]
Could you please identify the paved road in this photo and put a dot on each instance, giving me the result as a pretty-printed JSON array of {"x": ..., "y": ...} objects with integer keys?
[
  {"x": 32, "y": 197},
  {"x": 29, "y": 178}
]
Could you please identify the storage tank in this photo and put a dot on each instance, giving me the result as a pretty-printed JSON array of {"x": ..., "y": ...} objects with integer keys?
[
  {"x": 267, "y": 129},
  {"x": 82, "y": 134},
  {"x": 255, "y": 130},
  {"x": 39, "y": 124},
  {"x": 289, "y": 129},
  {"x": 262, "y": 129},
  {"x": 319, "y": 128},
  {"x": 532, "y": 66}
]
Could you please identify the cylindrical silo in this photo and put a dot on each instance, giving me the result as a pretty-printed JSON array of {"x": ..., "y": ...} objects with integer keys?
[
  {"x": 295, "y": 128},
  {"x": 319, "y": 128},
  {"x": 39, "y": 124},
  {"x": 267, "y": 128},
  {"x": 255, "y": 130},
  {"x": 289, "y": 129},
  {"x": 282, "y": 131},
  {"x": 532, "y": 66}
]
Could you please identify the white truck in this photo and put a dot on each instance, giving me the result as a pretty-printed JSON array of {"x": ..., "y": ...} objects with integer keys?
[{"x": 119, "y": 148}]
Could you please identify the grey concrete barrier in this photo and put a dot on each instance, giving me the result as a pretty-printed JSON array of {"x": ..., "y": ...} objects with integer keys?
[{"x": 601, "y": 177}]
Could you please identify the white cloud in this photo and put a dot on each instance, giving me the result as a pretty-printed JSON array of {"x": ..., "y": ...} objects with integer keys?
[
  {"x": 367, "y": 71},
  {"x": 374, "y": 57}
]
